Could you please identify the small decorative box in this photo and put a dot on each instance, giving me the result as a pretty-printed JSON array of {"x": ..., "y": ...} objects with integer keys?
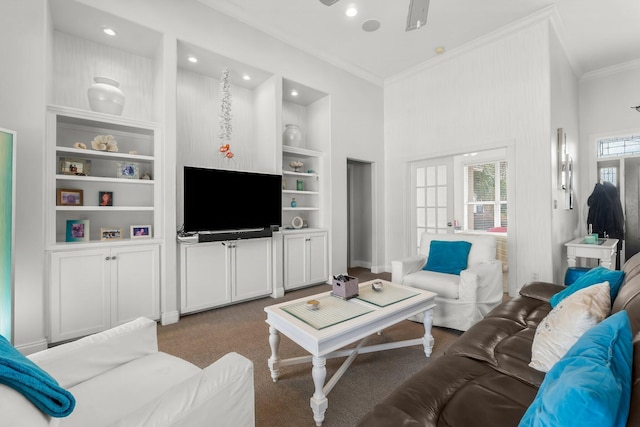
[{"x": 345, "y": 287}]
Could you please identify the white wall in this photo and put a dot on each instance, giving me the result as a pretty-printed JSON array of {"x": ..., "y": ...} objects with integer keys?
[
  {"x": 564, "y": 114},
  {"x": 605, "y": 100},
  {"x": 493, "y": 95},
  {"x": 356, "y": 123},
  {"x": 22, "y": 100}
]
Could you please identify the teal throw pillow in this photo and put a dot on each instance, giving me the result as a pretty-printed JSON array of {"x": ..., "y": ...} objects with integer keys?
[
  {"x": 448, "y": 257},
  {"x": 591, "y": 385},
  {"x": 591, "y": 277}
]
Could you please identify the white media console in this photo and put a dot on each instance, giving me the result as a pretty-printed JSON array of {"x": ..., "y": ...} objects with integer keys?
[{"x": 218, "y": 269}]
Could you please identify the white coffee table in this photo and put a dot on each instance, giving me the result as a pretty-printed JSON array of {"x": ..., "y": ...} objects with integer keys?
[{"x": 338, "y": 323}]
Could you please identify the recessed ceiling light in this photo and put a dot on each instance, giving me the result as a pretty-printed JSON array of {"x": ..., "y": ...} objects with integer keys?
[
  {"x": 294, "y": 93},
  {"x": 440, "y": 50},
  {"x": 351, "y": 12},
  {"x": 109, "y": 31},
  {"x": 370, "y": 25},
  {"x": 246, "y": 77},
  {"x": 192, "y": 59}
]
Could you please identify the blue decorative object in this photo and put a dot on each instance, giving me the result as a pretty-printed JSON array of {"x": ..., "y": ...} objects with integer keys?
[
  {"x": 447, "y": 257},
  {"x": 591, "y": 384},
  {"x": 294, "y": 203},
  {"x": 24, "y": 376},
  {"x": 573, "y": 273},
  {"x": 593, "y": 276}
]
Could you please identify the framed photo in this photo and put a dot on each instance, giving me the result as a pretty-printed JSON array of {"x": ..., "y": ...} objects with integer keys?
[
  {"x": 69, "y": 197},
  {"x": 127, "y": 170},
  {"x": 114, "y": 233},
  {"x": 74, "y": 166},
  {"x": 140, "y": 231},
  {"x": 105, "y": 198},
  {"x": 77, "y": 230}
]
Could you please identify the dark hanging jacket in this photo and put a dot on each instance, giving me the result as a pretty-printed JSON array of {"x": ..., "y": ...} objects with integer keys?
[{"x": 605, "y": 211}]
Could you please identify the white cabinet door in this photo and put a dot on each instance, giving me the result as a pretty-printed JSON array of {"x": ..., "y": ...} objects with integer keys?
[
  {"x": 205, "y": 281},
  {"x": 305, "y": 257},
  {"x": 295, "y": 254},
  {"x": 135, "y": 283},
  {"x": 317, "y": 258},
  {"x": 251, "y": 268},
  {"x": 79, "y": 293}
]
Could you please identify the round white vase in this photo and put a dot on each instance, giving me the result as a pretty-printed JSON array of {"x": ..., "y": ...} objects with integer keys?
[
  {"x": 292, "y": 136},
  {"x": 105, "y": 96}
]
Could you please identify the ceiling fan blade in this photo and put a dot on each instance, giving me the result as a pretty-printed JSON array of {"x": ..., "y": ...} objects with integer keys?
[
  {"x": 417, "y": 17},
  {"x": 329, "y": 2}
]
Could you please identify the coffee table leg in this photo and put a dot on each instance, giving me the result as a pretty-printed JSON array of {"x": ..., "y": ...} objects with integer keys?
[
  {"x": 274, "y": 360},
  {"x": 319, "y": 402},
  {"x": 427, "y": 340}
]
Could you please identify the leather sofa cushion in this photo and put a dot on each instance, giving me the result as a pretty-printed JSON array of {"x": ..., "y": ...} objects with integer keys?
[
  {"x": 445, "y": 285},
  {"x": 634, "y": 414},
  {"x": 454, "y": 391},
  {"x": 102, "y": 400},
  {"x": 504, "y": 338},
  {"x": 629, "y": 299}
]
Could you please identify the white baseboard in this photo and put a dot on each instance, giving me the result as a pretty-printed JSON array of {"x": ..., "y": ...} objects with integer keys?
[
  {"x": 169, "y": 317},
  {"x": 378, "y": 269},
  {"x": 361, "y": 264},
  {"x": 33, "y": 347}
]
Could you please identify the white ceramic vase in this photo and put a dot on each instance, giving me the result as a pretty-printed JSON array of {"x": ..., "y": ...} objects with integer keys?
[
  {"x": 292, "y": 136},
  {"x": 105, "y": 96}
]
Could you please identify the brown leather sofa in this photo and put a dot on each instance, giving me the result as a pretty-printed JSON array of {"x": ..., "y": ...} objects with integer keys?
[{"x": 484, "y": 378}]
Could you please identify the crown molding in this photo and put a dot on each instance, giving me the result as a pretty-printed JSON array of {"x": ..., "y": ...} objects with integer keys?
[
  {"x": 613, "y": 69},
  {"x": 543, "y": 14}
]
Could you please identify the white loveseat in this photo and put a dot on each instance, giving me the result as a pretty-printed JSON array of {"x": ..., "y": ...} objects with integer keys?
[
  {"x": 462, "y": 300},
  {"x": 119, "y": 378}
]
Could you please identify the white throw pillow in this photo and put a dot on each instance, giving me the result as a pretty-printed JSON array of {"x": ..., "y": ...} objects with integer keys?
[{"x": 571, "y": 318}]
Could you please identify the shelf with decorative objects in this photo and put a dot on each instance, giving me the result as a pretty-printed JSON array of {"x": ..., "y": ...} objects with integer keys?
[{"x": 102, "y": 177}]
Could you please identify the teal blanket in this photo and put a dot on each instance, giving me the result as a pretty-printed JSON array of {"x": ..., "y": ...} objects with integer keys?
[{"x": 24, "y": 376}]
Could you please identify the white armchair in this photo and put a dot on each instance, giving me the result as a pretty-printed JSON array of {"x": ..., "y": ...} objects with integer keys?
[{"x": 462, "y": 300}]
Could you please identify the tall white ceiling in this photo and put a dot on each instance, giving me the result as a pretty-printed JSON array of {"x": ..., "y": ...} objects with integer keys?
[{"x": 596, "y": 33}]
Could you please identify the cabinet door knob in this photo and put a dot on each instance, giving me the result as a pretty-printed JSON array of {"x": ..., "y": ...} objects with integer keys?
[
  {"x": 107, "y": 258},
  {"x": 113, "y": 257}
]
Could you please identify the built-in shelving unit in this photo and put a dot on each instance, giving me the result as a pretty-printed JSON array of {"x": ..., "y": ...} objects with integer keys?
[{"x": 134, "y": 201}]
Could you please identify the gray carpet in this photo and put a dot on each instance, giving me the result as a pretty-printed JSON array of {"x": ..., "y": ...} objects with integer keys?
[{"x": 203, "y": 338}]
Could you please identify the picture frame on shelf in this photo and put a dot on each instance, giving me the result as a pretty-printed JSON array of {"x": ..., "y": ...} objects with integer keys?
[
  {"x": 105, "y": 198},
  {"x": 77, "y": 230},
  {"x": 128, "y": 170},
  {"x": 69, "y": 197},
  {"x": 69, "y": 166},
  {"x": 140, "y": 232},
  {"x": 112, "y": 233}
]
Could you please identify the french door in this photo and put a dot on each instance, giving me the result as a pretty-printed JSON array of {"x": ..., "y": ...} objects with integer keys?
[{"x": 432, "y": 198}]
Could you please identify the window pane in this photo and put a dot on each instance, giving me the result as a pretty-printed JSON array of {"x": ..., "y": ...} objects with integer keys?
[
  {"x": 442, "y": 175},
  {"x": 483, "y": 220},
  {"x": 484, "y": 189},
  {"x": 619, "y": 146},
  {"x": 431, "y": 196},
  {"x": 420, "y": 177},
  {"x": 503, "y": 181},
  {"x": 442, "y": 196},
  {"x": 420, "y": 197},
  {"x": 419, "y": 235},
  {"x": 503, "y": 215},
  {"x": 431, "y": 217},
  {"x": 431, "y": 176},
  {"x": 442, "y": 217},
  {"x": 609, "y": 174},
  {"x": 420, "y": 217}
]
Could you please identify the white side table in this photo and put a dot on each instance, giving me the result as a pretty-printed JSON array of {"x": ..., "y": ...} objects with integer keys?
[{"x": 605, "y": 250}]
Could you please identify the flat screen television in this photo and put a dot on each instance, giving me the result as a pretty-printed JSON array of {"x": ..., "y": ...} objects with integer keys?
[{"x": 219, "y": 200}]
